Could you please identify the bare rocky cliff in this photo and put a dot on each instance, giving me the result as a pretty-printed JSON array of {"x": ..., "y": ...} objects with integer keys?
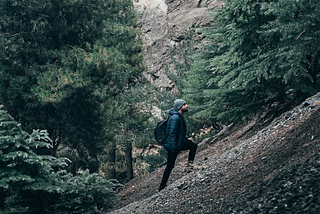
[{"x": 164, "y": 24}]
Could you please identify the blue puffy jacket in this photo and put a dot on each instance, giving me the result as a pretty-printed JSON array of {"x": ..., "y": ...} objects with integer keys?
[{"x": 176, "y": 131}]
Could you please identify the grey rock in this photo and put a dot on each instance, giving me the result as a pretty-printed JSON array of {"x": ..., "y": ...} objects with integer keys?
[{"x": 164, "y": 24}]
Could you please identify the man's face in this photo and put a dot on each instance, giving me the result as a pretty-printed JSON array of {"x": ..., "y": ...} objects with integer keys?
[{"x": 184, "y": 108}]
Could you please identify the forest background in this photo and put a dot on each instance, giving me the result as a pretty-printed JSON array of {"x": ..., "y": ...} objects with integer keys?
[{"x": 76, "y": 105}]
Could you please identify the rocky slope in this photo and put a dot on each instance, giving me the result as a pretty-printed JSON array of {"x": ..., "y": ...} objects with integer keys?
[
  {"x": 164, "y": 24},
  {"x": 274, "y": 169}
]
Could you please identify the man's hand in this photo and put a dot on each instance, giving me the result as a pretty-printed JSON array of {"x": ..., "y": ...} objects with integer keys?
[{"x": 191, "y": 139}]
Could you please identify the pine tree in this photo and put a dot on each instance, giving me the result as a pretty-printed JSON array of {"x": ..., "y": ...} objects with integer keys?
[
  {"x": 22, "y": 171},
  {"x": 297, "y": 49},
  {"x": 130, "y": 127},
  {"x": 259, "y": 53},
  {"x": 63, "y": 63},
  {"x": 31, "y": 183}
]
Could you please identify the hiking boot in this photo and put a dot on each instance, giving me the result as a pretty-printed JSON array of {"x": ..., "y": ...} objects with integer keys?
[{"x": 191, "y": 167}]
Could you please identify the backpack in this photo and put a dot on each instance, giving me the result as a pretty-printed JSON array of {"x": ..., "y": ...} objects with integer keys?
[{"x": 160, "y": 131}]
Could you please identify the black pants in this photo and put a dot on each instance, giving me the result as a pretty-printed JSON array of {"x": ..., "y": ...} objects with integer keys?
[{"x": 172, "y": 156}]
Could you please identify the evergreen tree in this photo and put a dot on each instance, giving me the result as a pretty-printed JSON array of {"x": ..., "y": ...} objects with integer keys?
[
  {"x": 259, "y": 52},
  {"x": 130, "y": 127},
  {"x": 62, "y": 63},
  {"x": 297, "y": 49},
  {"x": 31, "y": 183}
]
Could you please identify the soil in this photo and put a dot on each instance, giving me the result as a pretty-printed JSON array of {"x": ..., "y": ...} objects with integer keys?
[{"x": 273, "y": 169}]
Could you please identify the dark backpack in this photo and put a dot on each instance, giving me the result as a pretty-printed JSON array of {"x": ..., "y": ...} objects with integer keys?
[{"x": 160, "y": 131}]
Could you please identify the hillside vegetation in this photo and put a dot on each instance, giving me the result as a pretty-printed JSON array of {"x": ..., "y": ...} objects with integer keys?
[{"x": 274, "y": 169}]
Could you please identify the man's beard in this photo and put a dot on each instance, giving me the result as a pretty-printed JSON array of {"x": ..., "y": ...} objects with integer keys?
[{"x": 184, "y": 110}]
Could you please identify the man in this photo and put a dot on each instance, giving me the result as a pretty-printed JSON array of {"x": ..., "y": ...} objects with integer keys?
[{"x": 177, "y": 139}]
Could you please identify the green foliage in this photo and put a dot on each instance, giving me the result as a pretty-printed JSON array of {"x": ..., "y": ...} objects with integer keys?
[
  {"x": 258, "y": 53},
  {"x": 155, "y": 160},
  {"x": 62, "y": 63},
  {"x": 31, "y": 183},
  {"x": 84, "y": 193},
  {"x": 130, "y": 124},
  {"x": 298, "y": 47}
]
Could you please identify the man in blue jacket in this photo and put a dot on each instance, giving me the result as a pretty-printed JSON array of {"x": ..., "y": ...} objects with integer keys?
[{"x": 177, "y": 139}]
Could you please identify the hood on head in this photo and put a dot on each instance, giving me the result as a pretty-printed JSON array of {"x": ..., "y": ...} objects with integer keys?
[{"x": 173, "y": 111}]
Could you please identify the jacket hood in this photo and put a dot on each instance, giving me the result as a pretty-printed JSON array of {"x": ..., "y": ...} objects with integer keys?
[{"x": 173, "y": 111}]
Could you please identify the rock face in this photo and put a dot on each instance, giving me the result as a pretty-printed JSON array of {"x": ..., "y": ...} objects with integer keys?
[{"x": 164, "y": 24}]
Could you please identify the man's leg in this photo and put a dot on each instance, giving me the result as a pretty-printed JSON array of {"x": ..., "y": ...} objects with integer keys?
[
  {"x": 172, "y": 156},
  {"x": 192, "y": 147}
]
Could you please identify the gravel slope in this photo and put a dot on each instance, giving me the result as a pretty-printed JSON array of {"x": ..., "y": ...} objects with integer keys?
[{"x": 272, "y": 170}]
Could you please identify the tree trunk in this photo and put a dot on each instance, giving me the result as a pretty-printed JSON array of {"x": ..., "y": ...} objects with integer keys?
[
  {"x": 112, "y": 160},
  {"x": 315, "y": 68},
  {"x": 128, "y": 158}
]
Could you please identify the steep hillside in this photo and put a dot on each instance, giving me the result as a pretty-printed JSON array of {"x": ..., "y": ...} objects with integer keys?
[{"x": 272, "y": 170}]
